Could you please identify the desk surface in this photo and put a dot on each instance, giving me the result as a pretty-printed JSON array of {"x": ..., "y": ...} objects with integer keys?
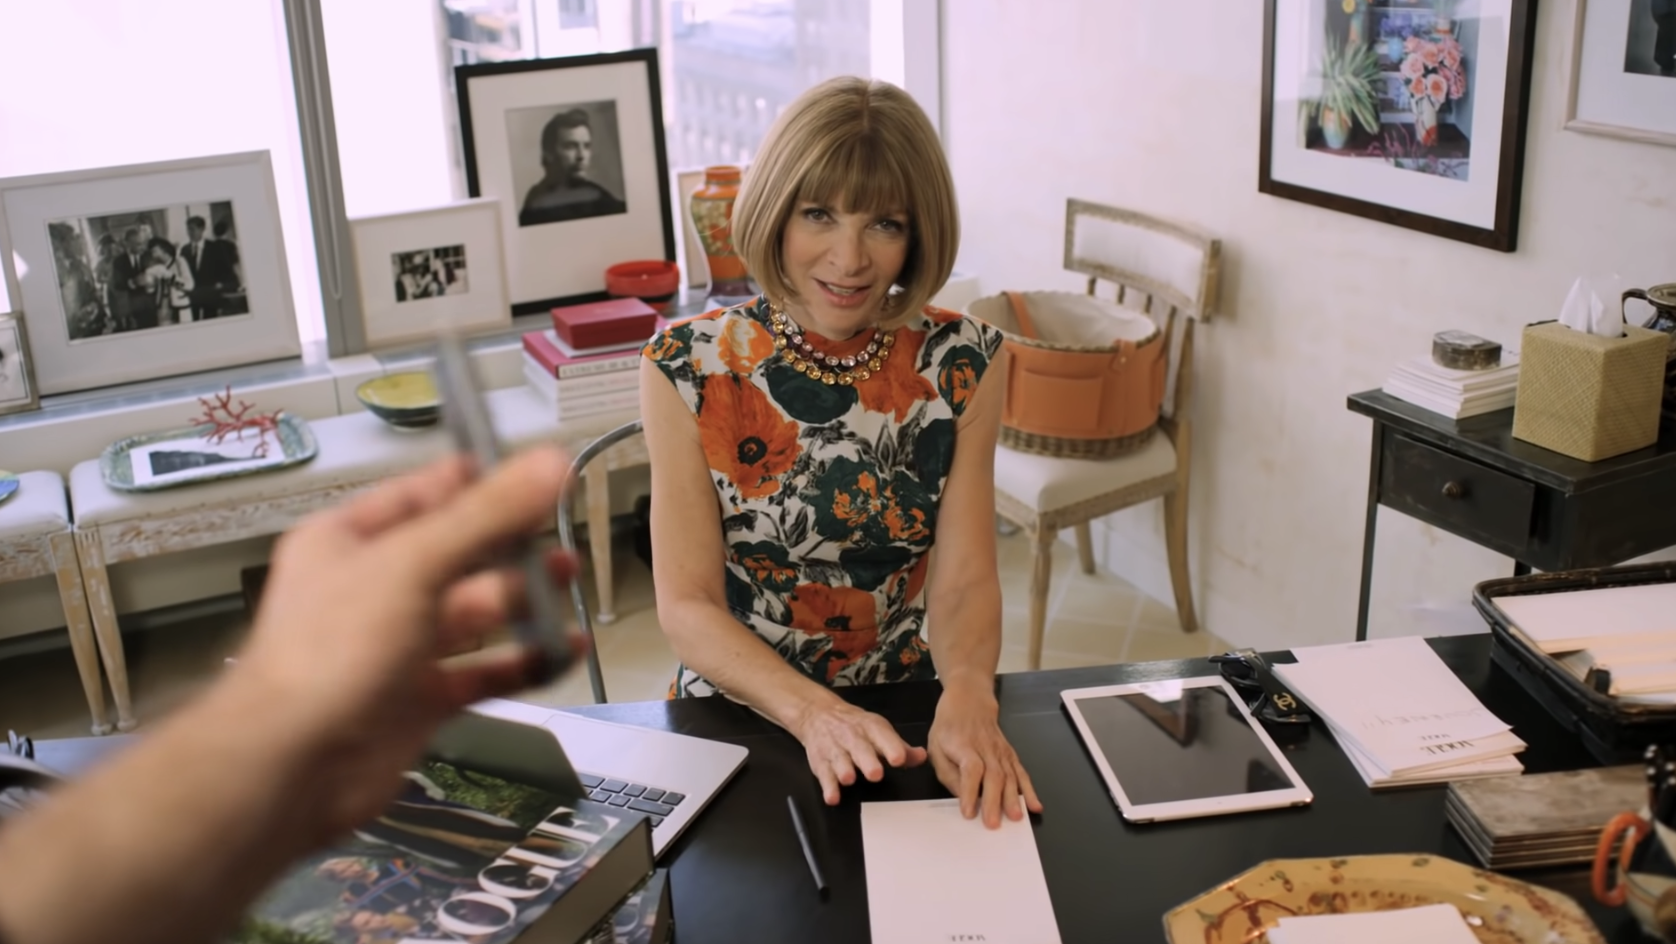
[
  {"x": 1488, "y": 437},
  {"x": 738, "y": 872}
]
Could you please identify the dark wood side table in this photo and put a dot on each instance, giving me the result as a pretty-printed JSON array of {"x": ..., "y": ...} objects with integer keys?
[{"x": 1547, "y": 511}]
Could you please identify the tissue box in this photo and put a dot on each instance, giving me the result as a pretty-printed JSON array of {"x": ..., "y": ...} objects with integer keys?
[{"x": 1587, "y": 396}]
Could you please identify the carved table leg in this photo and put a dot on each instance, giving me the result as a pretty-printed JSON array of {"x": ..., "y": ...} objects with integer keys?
[
  {"x": 66, "y": 568},
  {"x": 97, "y": 583}
]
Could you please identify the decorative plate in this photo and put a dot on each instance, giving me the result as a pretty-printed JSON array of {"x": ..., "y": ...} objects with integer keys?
[
  {"x": 9, "y": 484},
  {"x": 183, "y": 456},
  {"x": 1499, "y": 909}
]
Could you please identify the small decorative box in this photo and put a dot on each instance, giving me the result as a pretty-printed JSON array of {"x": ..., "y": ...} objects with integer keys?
[{"x": 604, "y": 324}]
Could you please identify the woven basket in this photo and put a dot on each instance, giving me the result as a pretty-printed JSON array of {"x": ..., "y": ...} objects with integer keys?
[{"x": 1085, "y": 377}]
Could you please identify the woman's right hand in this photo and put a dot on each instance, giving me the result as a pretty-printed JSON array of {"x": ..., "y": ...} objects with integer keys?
[{"x": 841, "y": 739}]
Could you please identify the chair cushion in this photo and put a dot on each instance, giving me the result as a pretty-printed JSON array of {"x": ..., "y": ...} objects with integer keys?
[
  {"x": 1047, "y": 483},
  {"x": 38, "y": 507}
]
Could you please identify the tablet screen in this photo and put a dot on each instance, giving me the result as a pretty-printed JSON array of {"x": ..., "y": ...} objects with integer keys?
[{"x": 1178, "y": 742}]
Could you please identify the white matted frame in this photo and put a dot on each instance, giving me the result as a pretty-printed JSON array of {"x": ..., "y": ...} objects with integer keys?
[
  {"x": 45, "y": 219},
  {"x": 17, "y": 375},
  {"x": 428, "y": 270},
  {"x": 1602, "y": 95},
  {"x": 503, "y": 108}
]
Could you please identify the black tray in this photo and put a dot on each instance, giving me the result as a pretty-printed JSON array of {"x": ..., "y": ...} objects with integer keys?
[{"x": 1614, "y": 732}]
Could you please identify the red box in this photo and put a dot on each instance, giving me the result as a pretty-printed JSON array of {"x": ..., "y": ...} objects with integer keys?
[{"x": 605, "y": 324}]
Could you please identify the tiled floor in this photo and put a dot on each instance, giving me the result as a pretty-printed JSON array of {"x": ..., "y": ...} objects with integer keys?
[{"x": 1092, "y": 620}]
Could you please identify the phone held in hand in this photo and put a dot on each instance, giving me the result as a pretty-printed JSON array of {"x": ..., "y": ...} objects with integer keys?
[{"x": 540, "y": 630}]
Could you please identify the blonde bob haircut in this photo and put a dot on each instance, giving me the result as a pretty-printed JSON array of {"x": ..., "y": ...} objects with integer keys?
[{"x": 854, "y": 145}]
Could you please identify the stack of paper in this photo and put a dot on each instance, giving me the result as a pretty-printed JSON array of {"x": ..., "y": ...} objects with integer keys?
[
  {"x": 1456, "y": 393},
  {"x": 1399, "y": 714},
  {"x": 1619, "y": 640},
  {"x": 1434, "y": 924},
  {"x": 1542, "y": 819}
]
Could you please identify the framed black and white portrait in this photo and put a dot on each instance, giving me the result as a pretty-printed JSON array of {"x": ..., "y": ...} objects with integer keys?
[
  {"x": 431, "y": 270},
  {"x": 148, "y": 270},
  {"x": 17, "y": 379},
  {"x": 573, "y": 150},
  {"x": 1623, "y": 70}
]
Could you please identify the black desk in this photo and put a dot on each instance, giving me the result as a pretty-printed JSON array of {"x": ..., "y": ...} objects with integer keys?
[
  {"x": 1547, "y": 511},
  {"x": 738, "y": 873}
]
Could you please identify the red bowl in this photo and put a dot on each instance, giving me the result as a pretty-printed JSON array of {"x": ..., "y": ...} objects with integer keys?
[{"x": 653, "y": 281}]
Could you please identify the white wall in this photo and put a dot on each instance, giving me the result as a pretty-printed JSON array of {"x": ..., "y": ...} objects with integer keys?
[{"x": 1154, "y": 105}]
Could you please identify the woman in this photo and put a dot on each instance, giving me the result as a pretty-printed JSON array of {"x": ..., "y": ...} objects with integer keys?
[{"x": 811, "y": 447}]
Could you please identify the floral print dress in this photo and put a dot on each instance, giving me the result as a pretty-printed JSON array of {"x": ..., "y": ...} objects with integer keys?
[{"x": 828, "y": 493}]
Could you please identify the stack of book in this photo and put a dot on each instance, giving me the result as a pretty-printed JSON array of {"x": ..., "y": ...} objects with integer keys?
[
  {"x": 465, "y": 856},
  {"x": 587, "y": 363},
  {"x": 1542, "y": 819},
  {"x": 1400, "y": 715},
  {"x": 1456, "y": 394}
]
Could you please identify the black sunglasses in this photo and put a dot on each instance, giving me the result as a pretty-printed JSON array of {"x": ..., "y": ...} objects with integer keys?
[{"x": 1248, "y": 672}]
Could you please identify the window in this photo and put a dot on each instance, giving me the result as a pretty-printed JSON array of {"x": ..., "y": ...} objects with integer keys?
[
  {"x": 159, "y": 81},
  {"x": 174, "y": 79}
]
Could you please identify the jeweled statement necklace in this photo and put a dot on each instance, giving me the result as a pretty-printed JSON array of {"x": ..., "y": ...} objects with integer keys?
[{"x": 844, "y": 371}]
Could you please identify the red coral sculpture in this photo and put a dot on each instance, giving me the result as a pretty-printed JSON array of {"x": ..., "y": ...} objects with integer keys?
[{"x": 230, "y": 420}]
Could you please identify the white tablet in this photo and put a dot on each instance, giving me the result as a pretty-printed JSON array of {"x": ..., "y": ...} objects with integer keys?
[{"x": 1177, "y": 748}]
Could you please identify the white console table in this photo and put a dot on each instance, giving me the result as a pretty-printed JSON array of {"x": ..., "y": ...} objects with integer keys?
[{"x": 356, "y": 450}]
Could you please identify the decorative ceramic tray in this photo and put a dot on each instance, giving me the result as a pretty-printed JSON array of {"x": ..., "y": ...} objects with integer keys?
[
  {"x": 186, "y": 455},
  {"x": 1500, "y": 910}
]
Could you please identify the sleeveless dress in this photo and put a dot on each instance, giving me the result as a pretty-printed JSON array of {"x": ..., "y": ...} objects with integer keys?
[{"x": 828, "y": 493}]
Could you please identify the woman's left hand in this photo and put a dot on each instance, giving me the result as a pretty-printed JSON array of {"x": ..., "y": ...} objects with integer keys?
[{"x": 974, "y": 761}]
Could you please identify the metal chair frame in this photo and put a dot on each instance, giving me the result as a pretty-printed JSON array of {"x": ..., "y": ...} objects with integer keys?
[{"x": 567, "y": 540}]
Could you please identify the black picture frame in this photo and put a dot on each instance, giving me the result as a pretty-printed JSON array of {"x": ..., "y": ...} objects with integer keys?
[
  {"x": 1303, "y": 171},
  {"x": 556, "y": 244}
]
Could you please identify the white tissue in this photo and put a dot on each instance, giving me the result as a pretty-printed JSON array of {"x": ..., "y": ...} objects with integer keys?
[{"x": 1593, "y": 307}]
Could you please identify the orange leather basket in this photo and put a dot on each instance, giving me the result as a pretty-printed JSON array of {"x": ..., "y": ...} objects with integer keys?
[{"x": 1085, "y": 377}]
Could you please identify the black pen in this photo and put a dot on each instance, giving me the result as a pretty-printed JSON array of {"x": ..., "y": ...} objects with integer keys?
[{"x": 808, "y": 850}]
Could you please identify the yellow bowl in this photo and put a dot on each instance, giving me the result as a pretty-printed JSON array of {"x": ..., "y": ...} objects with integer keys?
[{"x": 406, "y": 401}]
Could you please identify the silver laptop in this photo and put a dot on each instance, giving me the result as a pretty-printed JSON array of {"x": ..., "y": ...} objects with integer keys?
[{"x": 669, "y": 777}]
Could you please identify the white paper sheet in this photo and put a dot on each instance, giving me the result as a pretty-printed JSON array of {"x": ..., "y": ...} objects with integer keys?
[
  {"x": 934, "y": 876},
  {"x": 1576, "y": 619},
  {"x": 1434, "y": 924}
]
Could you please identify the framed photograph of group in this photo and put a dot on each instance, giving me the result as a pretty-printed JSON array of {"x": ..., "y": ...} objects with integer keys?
[
  {"x": 431, "y": 270},
  {"x": 148, "y": 270},
  {"x": 1410, "y": 112},
  {"x": 1622, "y": 80},
  {"x": 573, "y": 149}
]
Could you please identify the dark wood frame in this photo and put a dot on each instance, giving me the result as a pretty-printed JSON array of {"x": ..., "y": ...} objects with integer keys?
[
  {"x": 1510, "y": 169},
  {"x": 463, "y": 75}
]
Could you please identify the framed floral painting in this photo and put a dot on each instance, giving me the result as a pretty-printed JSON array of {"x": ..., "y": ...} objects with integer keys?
[{"x": 1410, "y": 112}]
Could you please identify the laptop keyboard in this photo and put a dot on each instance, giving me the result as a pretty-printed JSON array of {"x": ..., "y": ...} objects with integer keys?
[{"x": 655, "y": 803}]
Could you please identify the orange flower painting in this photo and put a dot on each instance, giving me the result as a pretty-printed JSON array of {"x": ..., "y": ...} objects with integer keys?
[{"x": 745, "y": 436}]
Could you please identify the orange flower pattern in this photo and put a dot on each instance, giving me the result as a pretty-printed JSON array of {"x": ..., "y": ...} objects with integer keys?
[
  {"x": 745, "y": 437},
  {"x": 829, "y": 494}
]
